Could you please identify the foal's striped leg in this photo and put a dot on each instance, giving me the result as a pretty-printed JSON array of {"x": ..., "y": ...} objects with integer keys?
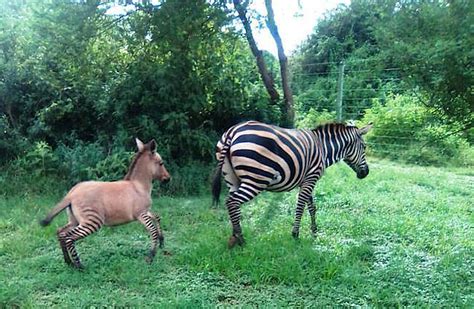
[
  {"x": 78, "y": 232},
  {"x": 244, "y": 193},
  {"x": 304, "y": 196},
  {"x": 152, "y": 224},
  {"x": 60, "y": 233}
]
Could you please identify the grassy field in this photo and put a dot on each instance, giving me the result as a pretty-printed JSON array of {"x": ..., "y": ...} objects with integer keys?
[{"x": 404, "y": 236}]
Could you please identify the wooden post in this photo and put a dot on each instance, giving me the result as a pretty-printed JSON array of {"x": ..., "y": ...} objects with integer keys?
[{"x": 340, "y": 90}]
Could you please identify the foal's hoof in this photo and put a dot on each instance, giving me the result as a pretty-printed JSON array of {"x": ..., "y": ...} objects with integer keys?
[
  {"x": 296, "y": 235},
  {"x": 161, "y": 242},
  {"x": 235, "y": 240},
  {"x": 150, "y": 257}
]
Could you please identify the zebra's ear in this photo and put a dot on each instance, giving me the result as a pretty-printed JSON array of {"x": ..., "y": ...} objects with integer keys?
[
  {"x": 366, "y": 129},
  {"x": 140, "y": 144}
]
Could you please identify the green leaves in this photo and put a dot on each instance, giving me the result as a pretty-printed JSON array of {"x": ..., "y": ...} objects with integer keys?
[{"x": 176, "y": 71}]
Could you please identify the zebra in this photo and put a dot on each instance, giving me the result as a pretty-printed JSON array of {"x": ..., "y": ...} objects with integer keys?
[{"x": 254, "y": 157}]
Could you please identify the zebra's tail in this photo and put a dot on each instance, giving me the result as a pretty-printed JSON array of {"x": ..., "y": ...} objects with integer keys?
[
  {"x": 55, "y": 211},
  {"x": 216, "y": 182},
  {"x": 216, "y": 186}
]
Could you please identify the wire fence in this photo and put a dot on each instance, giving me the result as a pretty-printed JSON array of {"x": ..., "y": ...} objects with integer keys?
[{"x": 348, "y": 90}]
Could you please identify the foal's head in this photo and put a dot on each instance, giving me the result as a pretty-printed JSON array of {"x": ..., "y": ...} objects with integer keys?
[
  {"x": 148, "y": 162},
  {"x": 355, "y": 156}
]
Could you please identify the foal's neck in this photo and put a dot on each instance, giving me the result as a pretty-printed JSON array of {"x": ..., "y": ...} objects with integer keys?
[
  {"x": 143, "y": 180},
  {"x": 139, "y": 175}
]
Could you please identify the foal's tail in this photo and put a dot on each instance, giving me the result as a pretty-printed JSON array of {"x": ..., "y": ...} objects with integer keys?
[
  {"x": 216, "y": 181},
  {"x": 56, "y": 210}
]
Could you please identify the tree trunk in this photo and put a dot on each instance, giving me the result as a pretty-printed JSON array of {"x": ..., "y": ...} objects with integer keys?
[
  {"x": 289, "y": 117},
  {"x": 262, "y": 68}
]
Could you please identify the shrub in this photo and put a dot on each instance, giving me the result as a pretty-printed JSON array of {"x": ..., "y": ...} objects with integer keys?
[
  {"x": 11, "y": 141},
  {"x": 92, "y": 162},
  {"x": 404, "y": 129},
  {"x": 192, "y": 179},
  {"x": 313, "y": 118},
  {"x": 112, "y": 167},
  {"x": 39, "y": 160},
  {"x": 58, "y": 170}
]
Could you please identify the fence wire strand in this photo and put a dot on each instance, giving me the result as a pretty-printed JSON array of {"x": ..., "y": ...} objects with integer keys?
[{"x": 356, "y": 100}]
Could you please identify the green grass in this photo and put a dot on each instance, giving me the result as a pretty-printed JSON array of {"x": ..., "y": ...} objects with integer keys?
[{"x": 404, "y": 236}]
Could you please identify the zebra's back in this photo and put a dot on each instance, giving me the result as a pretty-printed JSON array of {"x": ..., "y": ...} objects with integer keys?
[{"x": 273, "y": 158}]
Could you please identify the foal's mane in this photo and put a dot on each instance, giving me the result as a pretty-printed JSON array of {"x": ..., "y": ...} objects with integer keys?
[{"x": 133, "y": 164}]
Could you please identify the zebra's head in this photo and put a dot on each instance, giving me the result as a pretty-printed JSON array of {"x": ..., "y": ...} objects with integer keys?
[{"x": 355, "y": 155}]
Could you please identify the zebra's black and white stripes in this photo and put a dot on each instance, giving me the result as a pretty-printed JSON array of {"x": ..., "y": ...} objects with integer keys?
[{"x": 254, "y": 157}]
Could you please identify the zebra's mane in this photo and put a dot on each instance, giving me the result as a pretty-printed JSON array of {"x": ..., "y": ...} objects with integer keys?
[{"x": 337, "y": 125}]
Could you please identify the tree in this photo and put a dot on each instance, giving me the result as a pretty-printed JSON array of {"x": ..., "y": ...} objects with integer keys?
[
  {"x": 258, "y": 54},
  {"x": 422, "y": 47},
  {"x": 433, "y": 45},
  {"x": 288, "y": 115},
  {"x": 289, "y": 118}
]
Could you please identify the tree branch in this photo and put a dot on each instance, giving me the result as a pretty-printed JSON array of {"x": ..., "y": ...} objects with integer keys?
[
  {"x": 262, "y": 68},
  {"x": 287, "y": 94}
]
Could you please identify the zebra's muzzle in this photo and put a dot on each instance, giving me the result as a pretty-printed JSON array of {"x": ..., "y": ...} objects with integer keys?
[{"x": 362, "y": 173}]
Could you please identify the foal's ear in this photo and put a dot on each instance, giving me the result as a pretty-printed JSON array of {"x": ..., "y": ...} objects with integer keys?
[
  {"x": 140, "y": 144},
  {"x": 152, "y": 145},
  {"x": 366, "y": 129}
]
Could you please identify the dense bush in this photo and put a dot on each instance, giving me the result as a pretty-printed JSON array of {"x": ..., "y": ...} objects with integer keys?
[
  {"x": 313, "y": 118},
  {"x": 57, "y": 170},
  {"x": 71, "y": 73},
  {"x": 406, "y": 130}
]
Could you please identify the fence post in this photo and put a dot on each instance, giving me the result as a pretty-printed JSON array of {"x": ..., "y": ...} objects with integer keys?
[{"x": 340, "y": 89}]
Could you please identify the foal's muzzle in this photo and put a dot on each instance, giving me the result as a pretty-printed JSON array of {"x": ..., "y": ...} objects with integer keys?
[{"x": 166, "y": 180}]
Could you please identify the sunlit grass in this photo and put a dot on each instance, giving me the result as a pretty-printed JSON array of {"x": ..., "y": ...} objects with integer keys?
[{"x": 403, "y": 236}]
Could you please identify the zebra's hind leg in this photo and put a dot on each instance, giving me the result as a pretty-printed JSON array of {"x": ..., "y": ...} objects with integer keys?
[
  {"x": 304, "y": 195},
  {"x": 152, "y": 224},
  {"x": 244, "y": 193},
  {"x": 78, "y": 232},
  {"x": 312, "y": 214}
]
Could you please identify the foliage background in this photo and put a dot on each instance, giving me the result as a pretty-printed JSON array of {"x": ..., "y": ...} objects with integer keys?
[{"x": 77, "y": 84}]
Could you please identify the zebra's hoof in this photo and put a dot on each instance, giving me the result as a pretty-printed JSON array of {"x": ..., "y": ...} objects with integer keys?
[
  {"x": 296, "y": 235},
  {"x": 79, "y": 266},
  {"x": 232, "y": 241},
  {"x": 235, "y": 240}
]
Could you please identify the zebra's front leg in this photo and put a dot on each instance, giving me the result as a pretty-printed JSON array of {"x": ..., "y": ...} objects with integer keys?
[
  {"x": 149, "y": 219},
  {"x": 303, "y": 197},
  {"x": 312, "y": 214}
]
